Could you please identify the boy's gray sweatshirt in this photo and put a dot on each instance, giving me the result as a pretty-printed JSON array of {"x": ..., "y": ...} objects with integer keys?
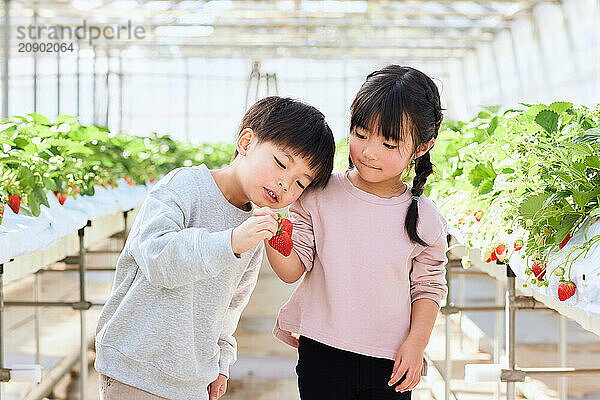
[{"x": 178, "y": 291}]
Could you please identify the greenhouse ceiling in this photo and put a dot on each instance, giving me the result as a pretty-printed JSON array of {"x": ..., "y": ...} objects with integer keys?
[{"x": 412, "y": 29}]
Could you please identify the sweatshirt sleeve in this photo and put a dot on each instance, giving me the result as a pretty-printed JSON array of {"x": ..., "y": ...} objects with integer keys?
[
  {"x": 303, "y": 235},
  {"x": 241, "y": 296},
  {"x": 427, "y": 277},
  {"x": 169, "y": 254}
]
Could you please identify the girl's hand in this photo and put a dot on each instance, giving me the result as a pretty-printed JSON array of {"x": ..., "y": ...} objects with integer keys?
[
  {"x": 408, "y": 364},
  {"x": 262, "y": 225},
  {"x": 218, "y": 387}
]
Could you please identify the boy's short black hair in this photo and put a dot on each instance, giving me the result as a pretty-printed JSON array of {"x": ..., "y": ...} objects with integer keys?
[{"x": 297, "y": 127}]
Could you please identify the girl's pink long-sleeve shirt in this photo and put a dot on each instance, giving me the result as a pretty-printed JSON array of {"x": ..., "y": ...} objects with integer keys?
[{"x": 363, "y": 272}]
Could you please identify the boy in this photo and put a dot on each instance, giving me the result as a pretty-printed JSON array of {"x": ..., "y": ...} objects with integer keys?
[{"x": 192, "y": 258}]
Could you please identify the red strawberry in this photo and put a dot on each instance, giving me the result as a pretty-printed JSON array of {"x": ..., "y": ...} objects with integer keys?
[
  {"x": 77, "y": 190},
  {"x": 129, "y": 181},
  {"x": 478, "y": 215},
  {"x": 518, "y": 244},
  {"x": 501, "y": 252},
  {"x": 1, "y": 212},
  {"x": 14, "y": 202},
  {"x": 282, "y": 242},
  {"x": 55, "y": 192},
  {"x": 539, "y": 270},
  {"x": 566, "y": 289},
  {"x": 62, "y": 198},
  {"x": 565, "y": 241},
  {"x": 491, "y": 256},
  {"x": 287, "y": 226}
]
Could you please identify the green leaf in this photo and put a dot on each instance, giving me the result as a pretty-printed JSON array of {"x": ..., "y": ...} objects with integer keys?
[
  {"x": 40, "y": 196},
  {"x": 486, "y": 186},
  {"x": 49, "y": 183},
  {"x": 589, "y": 136},
  {"x": 481, "y": 172},
  {"x": 493, "y": 125},
  {"x": 21, "y": 142},
  {"x": 566, "y": 226},
  {"x": 39, "y": 119},
  {"x": 579, "y": 149},
  {"x": 492, "y": 109},
  {"x": 532, "y": 204},
  {"x": 560, "y": 106},
  {"x": 26, "y": 177},
  {"x": 548, "y": 120},
  {"x": 582, "y": 198},
  {"x": 34, "y": 205},
  {"x": 535, "y": 109},
  {"x": 555, "y": 198}
]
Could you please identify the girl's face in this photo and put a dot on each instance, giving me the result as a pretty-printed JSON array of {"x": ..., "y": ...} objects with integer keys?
[
  {"x": 376, "y": 159},
  {"x": 273, "y": 177}
]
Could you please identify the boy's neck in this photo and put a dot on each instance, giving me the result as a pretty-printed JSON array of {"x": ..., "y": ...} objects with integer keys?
[{"x": 229, "y": 185}]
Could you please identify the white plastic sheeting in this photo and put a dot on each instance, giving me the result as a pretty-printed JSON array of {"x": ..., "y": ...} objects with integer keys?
[
  {"x": 21, "y": 234},
  {"x": 585, "y": 271}
]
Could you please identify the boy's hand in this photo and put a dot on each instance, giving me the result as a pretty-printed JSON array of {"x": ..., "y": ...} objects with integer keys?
[
  {"x": 218, "y": 387},
  {"x": 409, "y": 363},
  {"x": 262, "y": 225}
]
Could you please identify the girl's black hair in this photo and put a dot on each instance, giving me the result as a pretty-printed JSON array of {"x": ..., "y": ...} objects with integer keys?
[
  {"x": 297, "y": 127},
  {"x": 395, "y": 102}
]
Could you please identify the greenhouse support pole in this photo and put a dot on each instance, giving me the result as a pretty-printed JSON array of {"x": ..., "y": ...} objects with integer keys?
[
  {"x": 498, "y": 73},
  {"x": 1, "y": 323},
  {"x": 35, "y": 61},
  {"x": 461, "y": 303},
  {"x": 187, "y": 100},
  {"x": 516, "y": 60},
  {"x": 541, "y": 62},
  {"x": 510, "y": 329},
  {"x": 5, "y": 65},
  {"x": 58, "y": 81},
  {"x": 498, "y": 333},
  {"x": 83, "y": 373},
  {"x": 567, "y": 23},
  {"x": 107, "y": 86},
  {"x": 120, "y": 92},
  {"x": 78, "y": 81},
  {"x": 94, "y": 90},
  {"x": 562, "y": 347},
  {"x": 36, "y": 315},
  {"x": 448, "y": 339}
]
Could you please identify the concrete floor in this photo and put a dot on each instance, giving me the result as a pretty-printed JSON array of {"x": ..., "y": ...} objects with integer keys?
[{"x": 265, "y": 367}]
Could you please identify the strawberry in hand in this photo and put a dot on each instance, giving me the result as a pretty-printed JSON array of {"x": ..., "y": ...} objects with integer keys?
[{"x": 282, "y": 241}]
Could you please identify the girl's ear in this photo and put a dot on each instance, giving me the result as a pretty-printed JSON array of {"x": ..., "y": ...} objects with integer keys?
[
  {"x": 243, "y": 141},
  {"x": 424, "y": 148}
]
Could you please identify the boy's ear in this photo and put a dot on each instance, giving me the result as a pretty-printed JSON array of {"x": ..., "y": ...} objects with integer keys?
[{"x": 243, "y": 141}]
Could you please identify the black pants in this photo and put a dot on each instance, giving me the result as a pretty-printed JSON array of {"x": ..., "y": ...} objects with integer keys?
[{"x": 327, "y": 373}]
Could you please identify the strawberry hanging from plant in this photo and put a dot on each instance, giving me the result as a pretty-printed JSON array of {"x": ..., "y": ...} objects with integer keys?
[
  {"x": 565, "y": 241},
  {"x": 282, "y": 241},
  {"x": 539, "y": 270},
  {"x": 566, "y": 289},
  {"x": 14, "y": 202},
  {"x": 1, "y": 212}
]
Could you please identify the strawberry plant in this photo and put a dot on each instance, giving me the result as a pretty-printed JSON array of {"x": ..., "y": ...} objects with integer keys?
[
  {"x": 534, "y": 174},
  {"x": 38, "y": 156}
]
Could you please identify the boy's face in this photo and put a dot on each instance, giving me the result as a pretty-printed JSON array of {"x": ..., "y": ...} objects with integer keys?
[{"x": 272, "y": 176}]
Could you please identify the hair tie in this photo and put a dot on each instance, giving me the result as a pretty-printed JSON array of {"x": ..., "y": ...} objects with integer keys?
[{"x": 415, "y": 198}]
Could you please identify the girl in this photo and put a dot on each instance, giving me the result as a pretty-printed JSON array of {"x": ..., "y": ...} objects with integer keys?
[{"x": 373, "y": 249}]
